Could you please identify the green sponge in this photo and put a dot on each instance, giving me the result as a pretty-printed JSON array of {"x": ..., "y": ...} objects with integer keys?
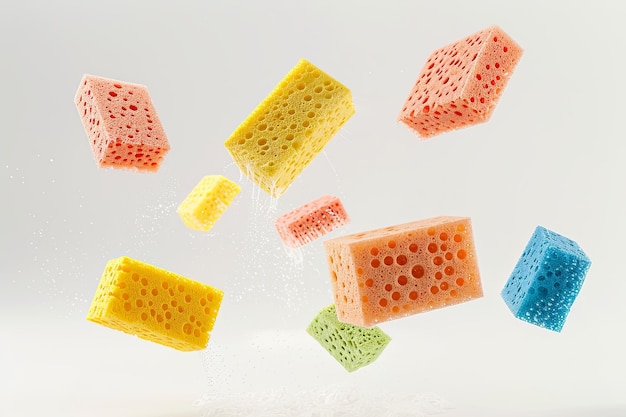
[{"x": 352, "y": 346}]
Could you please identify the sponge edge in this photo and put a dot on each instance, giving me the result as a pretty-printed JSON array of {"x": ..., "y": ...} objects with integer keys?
[
  {"x": 352, "y": 346},
  {"x": 155, "y": 304}
]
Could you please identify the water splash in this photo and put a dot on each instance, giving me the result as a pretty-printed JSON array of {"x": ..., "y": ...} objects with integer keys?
[{"x": 328, "y": 401}]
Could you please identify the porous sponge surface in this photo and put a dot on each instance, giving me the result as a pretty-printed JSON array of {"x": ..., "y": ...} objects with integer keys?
[
  {"x": 352, "y": 346},
  {"x": 122, "y": 124},
  {"x": 155, "y": 304},
  {"x": 460, "y": 84},
  {"x": 207, "y": 202},
  {"x": 546, "y": 279},
  {"x": 290, "y": 127},
  {"x": 401, "y": 270},
  {"x": 312, "y": 220}
]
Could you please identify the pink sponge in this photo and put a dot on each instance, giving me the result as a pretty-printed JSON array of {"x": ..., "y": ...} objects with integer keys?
[
  {"x": 121, "y": 123},
  {"x": 460, "y": 83},
  {"x": 311, "y": 221}
]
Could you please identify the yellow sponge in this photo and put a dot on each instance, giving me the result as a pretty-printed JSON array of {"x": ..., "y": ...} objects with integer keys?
[
  {"x": 207, "y": 202},
  {"x": 290, "y": 127},
  {"x": 155, "y": 304}
]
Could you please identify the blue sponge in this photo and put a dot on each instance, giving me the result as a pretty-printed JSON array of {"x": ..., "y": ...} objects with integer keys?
[{"x": 546, "y": 279}]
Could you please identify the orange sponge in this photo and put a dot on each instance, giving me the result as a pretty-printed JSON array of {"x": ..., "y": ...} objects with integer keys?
[
  {"x": 311, "y": 221},
  {"x": 122, "y": 125},
  {"x": 460, "y": 83},
  {"x": 401, "y": 270}
]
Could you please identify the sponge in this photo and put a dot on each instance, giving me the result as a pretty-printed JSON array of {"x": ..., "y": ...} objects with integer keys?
[
  {"x": 207, "y": 202},
  {"x": 290, "y": 127},
  {"x": 352, "y": 346},
  {"x": 306, "y": 223},
  {"x": 460, "y": 83},
  {"x": 400, "y": 270},
  {"x": 122, "y": 124},
  {"x": 155, "y": 304},
  {"x": 546, "y": 280}
]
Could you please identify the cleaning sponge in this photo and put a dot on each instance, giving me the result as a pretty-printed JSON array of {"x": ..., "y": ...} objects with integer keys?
[
  {"x": 122, "y": 125},
  {"x": 352, "y": 346},
  {"x": 460, "y": 83},
  {"x": 290, "y": 127},
  {"x": 306, "y": 223},
  {"x": 207, "y": 202},
  {"x": 546, "y": 279},
  {"x": 155, "y": 304},
  {"x": 400, "y": 270}
]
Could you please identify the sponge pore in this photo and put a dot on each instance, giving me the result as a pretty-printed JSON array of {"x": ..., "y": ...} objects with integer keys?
[
  {"x": 290, "y": 127},
  {"x": 397, "y": 271},
  {"x": 155, "y": 304},
  {"x": 460, "y": 84},
  {"x": 352, "y": 346},
  {"x": 311, "y": 221},
  {"x": 122, "y": 124},
  {"x": 546, "y": 280},
  {"x": 207, "y": 202}
]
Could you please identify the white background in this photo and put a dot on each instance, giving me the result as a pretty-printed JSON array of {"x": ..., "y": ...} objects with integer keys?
[{"x": 552, "y": 154}]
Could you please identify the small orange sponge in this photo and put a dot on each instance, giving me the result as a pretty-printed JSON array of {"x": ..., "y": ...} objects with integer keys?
[
  {"x": 314, "y": 219},
  {"x": 460, "y": 83},
  {"x": 401, "y": 270},
  {"x": 207, "y": 202},
  {"x": 155, "y": 304},
  {"x": 290, "y": 127},
  {"x": 122, "y": 125}
]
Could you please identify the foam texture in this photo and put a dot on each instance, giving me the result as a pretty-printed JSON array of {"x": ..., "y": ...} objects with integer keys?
[
  {"x": 155, "y": 304},
  {"x": 352, "y": 346},
  {"x": 290, "y": 127},
  {"x": 460, "y": 84},
  {"x": 546, "y": 280},
  {"x": 311, "y": 221},
  {"x": 207, "y": 202},
  {"x": 393, "y": 272},
  {"x": 122, "y": 124}
]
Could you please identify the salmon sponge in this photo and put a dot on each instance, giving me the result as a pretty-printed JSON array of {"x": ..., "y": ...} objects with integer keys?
[
  {"x": 352, "y": 346},
  {"x": 122, "y": 124},
  {"x": 155, "y": 304},
  {"x": 400, "y": 270},
  {"x": 546, "y": 280},
  {"x": 207, "y": 202},
  {"x": 290, "y": 127},
  {"x": 460, "y": 84},
  {"x": 311, "y": 221}
]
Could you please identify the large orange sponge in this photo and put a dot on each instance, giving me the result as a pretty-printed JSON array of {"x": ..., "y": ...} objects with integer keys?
[
  {"x": 397, "y": 271},
  {"x": 460, "y": 83}
]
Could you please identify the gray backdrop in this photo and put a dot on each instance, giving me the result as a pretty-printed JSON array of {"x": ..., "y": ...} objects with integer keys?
[{"x": 552, "y": 154}]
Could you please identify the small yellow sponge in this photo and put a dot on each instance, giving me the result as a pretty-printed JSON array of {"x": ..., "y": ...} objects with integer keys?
[
  {"x": 290, "y": 127},
  {"x": 207, "y": 202},
  {"x": 155, "y": 304}
]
